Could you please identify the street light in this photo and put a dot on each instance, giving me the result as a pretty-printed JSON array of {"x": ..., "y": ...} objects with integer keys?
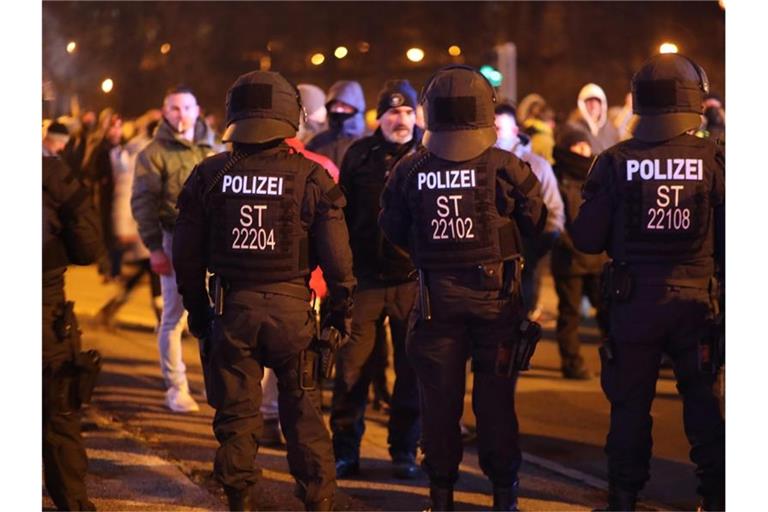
[
  {"x": 107, "y": 85},
  {"x": 415, "y": 54},
  {"x": 454, "y": 51},
  {"x": 363, "y": 47},
  {"x": 668, "y": 48},
  {"x": 165, "y": 48},
  {"x": 317, "y": 59},
  {"x": 340, "y": 52},
  {"x": 71, "y": 46}
]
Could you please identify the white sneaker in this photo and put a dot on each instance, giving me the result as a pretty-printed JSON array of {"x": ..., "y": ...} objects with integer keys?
[{"x": 179, "y": 400}]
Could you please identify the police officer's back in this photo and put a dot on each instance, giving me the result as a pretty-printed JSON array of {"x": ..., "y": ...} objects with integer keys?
[
  {"x": 656, "y": 203},
  {"x": 259, "y": 219},
  {"x": 458, "y": 207},
  {"x": 71, "y": 235}
]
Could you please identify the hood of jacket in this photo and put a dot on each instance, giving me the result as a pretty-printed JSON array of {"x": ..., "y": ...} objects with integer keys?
[
  {"x": 593, "y": 91},
  {"x": 351, "y": 93}
]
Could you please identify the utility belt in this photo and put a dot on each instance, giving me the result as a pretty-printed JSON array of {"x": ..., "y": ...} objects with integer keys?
[
  {"x": 619, "y": 282},
  {"x": 71, "y": 384},
  {"x": 504, "y": 276}
]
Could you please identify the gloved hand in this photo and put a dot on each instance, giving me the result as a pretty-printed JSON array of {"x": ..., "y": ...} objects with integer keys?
[
  {"x": 201, "y": 323},
  {"x": 341, "y": 320}
]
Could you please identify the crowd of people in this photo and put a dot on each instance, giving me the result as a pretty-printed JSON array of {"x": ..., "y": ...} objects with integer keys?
[{"x": 136, "y": 175}]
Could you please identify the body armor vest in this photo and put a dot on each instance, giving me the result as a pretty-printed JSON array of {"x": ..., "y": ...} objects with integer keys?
[
  {"x": 254, "y": 214},
  {"x": 665, "y": 201},
  {"x": 455, "y": 220}
]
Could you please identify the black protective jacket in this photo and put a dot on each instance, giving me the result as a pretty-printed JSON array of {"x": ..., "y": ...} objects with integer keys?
[
  {"x": 71, "y": 233},
  {"x": 659, "y": 207},
  {"x": 311, "y": 219},
  {"x": 476, "y": 200},
  {"x": 364, "y": 173}
]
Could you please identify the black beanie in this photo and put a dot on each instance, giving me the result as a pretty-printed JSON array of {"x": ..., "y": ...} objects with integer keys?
[
  {"x": 570, "y": 135},
  {"x": 396, "y": 93}
]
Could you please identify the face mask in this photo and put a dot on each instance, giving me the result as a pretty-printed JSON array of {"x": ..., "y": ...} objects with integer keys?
[{"x": 337, "y": 119}]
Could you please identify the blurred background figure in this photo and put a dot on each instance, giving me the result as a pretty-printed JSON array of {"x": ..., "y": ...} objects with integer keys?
[
  {"x": 74, "y": 153},
  {"x": 509, "y": 138},
  {"x": 99, "y": 170},
  {"x": 346, "y": 108},
  {"x": 592, "y": 116},
  {"x": 313, "y": 101},
  {"x": 135, "y": 254},
  {"x": 620, "y": 117},
  {"x": 575, "y": 273},
  {"x": 537, "y": 120},
  {"x": 714, "y": 117}
]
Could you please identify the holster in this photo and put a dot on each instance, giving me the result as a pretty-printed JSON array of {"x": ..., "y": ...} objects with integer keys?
[
  {"x": 70, "y": 385},
  {"x": 515, "y": 356},
  {"x": 513, "y": 271}
]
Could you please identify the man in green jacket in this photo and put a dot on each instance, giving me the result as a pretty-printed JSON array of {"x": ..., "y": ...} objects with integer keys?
[{"x": 181, "y": 141}]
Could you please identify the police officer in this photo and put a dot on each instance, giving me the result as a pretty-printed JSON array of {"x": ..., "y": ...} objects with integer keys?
[
  {"x": 456, "y": 206},
  {"x": 385, "y": 288},
  {"x": 656, "y": 203},
  {"x": 258, "y": 219},
  {"x": 71, "y": 235}
]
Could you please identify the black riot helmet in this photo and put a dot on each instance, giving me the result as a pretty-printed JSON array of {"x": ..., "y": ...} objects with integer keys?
[
  {"x": 262, "y": 106},
  {"x": 667, "y": 93},
  {"x": 459, "y": 113}
]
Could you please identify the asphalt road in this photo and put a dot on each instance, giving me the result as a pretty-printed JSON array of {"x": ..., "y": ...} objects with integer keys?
[{"x": 563, "y": 425}]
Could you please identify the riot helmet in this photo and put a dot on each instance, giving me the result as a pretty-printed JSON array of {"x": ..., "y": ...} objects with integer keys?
[
  {"x": 261, "y": 106},
  {"x": 667, "y": 93},
  {"x": 459, "y": 113}
]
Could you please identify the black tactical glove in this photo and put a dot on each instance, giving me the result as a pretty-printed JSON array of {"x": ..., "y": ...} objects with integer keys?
[
  {"x": 201, "y": 323},
  {"x": 341, "y": 320}
]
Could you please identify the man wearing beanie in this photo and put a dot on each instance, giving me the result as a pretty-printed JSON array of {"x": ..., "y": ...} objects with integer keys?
[
  {"x": 576, "y": 274},
  {"x": 346, "y": 107},
  {"x": 384, "y": 289}
]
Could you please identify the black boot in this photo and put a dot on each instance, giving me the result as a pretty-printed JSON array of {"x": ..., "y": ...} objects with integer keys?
[
  {"x": 505, "y": 498},
  {"x": 325, "y": 504},
  {"x": 619, "y": 499},
  {"x": 245, "y": 499},
  {"x": 440, "y": 498}
]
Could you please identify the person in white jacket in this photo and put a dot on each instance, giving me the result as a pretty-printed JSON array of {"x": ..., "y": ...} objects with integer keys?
[{"x": 509, "y": 138}]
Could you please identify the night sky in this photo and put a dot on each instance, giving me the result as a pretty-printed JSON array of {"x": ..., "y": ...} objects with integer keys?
[{"x": 560, "y": 45}]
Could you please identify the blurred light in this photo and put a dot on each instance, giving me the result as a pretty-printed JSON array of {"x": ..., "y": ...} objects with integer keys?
[
  {"x": 317, "y": 59},
  {"x": 71, "y": 46},
  {"x": 340, "y": 52},
  {"x": 721, "y": 3},
  {"x": 363, "y": 47},
  {"x": 165, "y": 48},
  {"x": 493, "y": 75},
  {"x": 454, "y": 51},
  {"x": 371, "y": 121},
  {"x": 265, "y": 63},
  {"x": 415, "y": 54},
  {"x": 668, "y": 48},
  {"x": 107, "y": 85}
]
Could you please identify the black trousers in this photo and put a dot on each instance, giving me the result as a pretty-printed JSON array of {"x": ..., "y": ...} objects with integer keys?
[
  {"x": 465, "y": 322},
  {"x": 64, "y": 461},
  {"x": 660, "y": 320},
  {"x": 260, "y": 329},
  {"x": 570, "y": 290},
  {"x": 354, "y": 370}
]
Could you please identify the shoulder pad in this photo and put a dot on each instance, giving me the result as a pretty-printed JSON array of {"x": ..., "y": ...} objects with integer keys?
[{"x": 331, "y": 191}]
